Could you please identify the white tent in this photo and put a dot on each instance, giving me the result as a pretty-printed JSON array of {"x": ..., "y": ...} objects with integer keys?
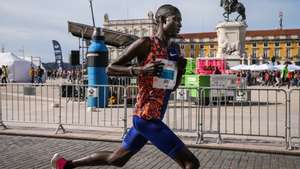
[
  {"x": 252, "y": 67},
  {"x": 291, "y": 67},
  {"x": 18, "y": 68},
  {"x": 240, "y": 67},
  {"x": 263, "y": 67}
]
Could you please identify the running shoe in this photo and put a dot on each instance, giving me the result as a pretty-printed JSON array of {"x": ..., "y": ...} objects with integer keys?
[{"x": 58, "y": 162}]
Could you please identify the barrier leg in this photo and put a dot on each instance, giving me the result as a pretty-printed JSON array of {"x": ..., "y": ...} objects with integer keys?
[
  {"x": 219, "y": 140},
  {"x": 289, "y": 144},
  {"x": 125, "y": 112},
  {"x": 201, "y": 103},
  {"x": 200, "y": 138},
  {"x": 1, "y": 122},
  {"x": 3, "y": 125},
  {"x": 60, "y": 126}
]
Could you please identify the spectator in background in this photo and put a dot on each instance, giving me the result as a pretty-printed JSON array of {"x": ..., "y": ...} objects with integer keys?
[
  {"x": 1, "y": 73},
  {"x": 266, "y": 78},
  {"x": 290, "y": 77},
  {"x": 217, "y": 71},
  {"x": 49, "y": 74},
  {"x": 297, "y": 78},
  {"x": 284, "y": 74},
  {"x": 32, "y": 74},
  {"x": 277, "y": 78},
  {"x": 4, "y": 74},
  {"x": 272, "y": 78},
  {"x": 248, "y": 78},
  {"x": 259, "y": 78},
  {"x": 40, "y": 73}
]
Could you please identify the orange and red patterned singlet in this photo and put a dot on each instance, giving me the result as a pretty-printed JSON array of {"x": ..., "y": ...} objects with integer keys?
[{"x": 150, "y": 100}]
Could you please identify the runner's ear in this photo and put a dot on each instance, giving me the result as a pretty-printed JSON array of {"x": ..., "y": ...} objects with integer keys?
[{"x": 162, "y": 19}]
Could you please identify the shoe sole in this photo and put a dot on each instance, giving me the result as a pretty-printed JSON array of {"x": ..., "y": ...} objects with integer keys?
[{"x": 54, "y": 159}]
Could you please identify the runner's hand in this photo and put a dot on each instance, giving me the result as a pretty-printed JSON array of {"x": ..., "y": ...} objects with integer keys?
[{"x": 154, "y": 68}]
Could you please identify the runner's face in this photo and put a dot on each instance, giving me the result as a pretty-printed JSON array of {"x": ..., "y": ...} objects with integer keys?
[{"x": 173, "y": 25}]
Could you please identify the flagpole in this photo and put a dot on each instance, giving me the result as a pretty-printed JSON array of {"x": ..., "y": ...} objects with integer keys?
[{"x": 91, "y": 5}]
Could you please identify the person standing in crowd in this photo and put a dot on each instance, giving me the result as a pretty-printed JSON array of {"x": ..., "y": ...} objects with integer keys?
[
  {"x": 40, "y": 73},
  {"x": 290, "y": 77},
  {"x": 277, "y": 78},
  {"x": 272, "y": 78},
  {"x": 284, "y": 74},
  {"x": 297, "y": 78},
  {"x": 1, "y": 73},
  {"x": 249, "y": 78},
  {"x": 152, "y": 98},
  {"x": 4, "y": 78},
  {"x": 32, "y": 74},
  {"x": 217, "y": 71},
  {"x": 266, "y": 78}
]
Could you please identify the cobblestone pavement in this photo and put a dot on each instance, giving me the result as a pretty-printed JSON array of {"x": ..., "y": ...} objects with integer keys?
[{"x": 34, "y": 152}]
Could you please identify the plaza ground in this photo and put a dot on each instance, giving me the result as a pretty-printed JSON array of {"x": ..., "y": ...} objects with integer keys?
[{"x": 35, "y": 153}]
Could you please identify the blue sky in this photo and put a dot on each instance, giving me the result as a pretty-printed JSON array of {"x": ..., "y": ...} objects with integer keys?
[{"x": 33, "y": 24}]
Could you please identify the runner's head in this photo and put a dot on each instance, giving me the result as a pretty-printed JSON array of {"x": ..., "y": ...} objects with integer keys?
[{"x": 168, "y": 18}]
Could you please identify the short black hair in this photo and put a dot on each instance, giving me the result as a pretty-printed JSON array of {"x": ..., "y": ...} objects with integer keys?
[{"x": 166, "y": 10}]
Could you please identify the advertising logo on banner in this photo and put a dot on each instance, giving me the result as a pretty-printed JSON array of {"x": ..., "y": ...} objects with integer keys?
[
  {"x": 92, "y": 91},
  {"x": 57, "y": 53}
]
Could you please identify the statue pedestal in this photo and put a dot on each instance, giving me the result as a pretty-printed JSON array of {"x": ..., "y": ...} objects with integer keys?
[{"x": 231, "y": 41}]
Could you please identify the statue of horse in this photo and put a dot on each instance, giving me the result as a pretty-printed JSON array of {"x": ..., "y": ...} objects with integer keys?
[{"x": 231, "y": 6}]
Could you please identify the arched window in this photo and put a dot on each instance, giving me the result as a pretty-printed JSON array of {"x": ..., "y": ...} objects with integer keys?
[
  {"x": 277, "y": 52},
  {"x": 202, "y": 54},
  {"x": 254, "y": 54}
]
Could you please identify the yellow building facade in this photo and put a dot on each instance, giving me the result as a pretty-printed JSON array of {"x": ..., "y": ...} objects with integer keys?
[{"x": 260, "y": 46}]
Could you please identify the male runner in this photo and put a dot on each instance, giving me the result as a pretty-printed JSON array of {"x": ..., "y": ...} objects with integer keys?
[{"x": 159, "y": 72}]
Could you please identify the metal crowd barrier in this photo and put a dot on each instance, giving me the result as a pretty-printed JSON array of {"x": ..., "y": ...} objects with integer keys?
[
  {"x": 181, "y": 114},
  {"x": 191, "y": 111},
  {"x": 28, "y": 103},
  {"x": 294, "y": 118},
  {"x": 65, "y": 105},
  {"x": 243, "y": 112}
]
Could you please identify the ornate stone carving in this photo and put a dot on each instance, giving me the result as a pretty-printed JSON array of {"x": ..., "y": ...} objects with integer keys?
[
  {"x": 231, "y": 6},
  {"x": 106, "y": 18},
  {"x": 231, "y": 40}
]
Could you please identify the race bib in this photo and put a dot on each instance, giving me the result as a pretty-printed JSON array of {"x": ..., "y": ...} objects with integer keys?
[{"x": 167, "y": 79}]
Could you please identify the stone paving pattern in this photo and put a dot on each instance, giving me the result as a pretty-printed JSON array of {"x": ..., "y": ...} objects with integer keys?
[{"x": 20, "y": 152}]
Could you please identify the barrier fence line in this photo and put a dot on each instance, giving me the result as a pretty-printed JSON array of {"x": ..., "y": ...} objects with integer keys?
[
  {"x": 198, "y": 112},
  {"x": 223, "y": 109},
  {"x": 181, "y": 115},
  {"x": 294, "y": 118},
  {"x": 59, "y": 105},
  {"x": 1, "y": 121}
]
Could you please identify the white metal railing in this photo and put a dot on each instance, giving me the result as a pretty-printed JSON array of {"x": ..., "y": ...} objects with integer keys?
[
  {"x": 243, "y": 112},
  {"x": 60, "y": 104},
  {"x": 198, "y": 111},
  {"x": 294, "y": 118}
]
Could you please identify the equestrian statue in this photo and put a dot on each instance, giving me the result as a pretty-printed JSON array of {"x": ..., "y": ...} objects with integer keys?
[{"x": 231, "y": 6}]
